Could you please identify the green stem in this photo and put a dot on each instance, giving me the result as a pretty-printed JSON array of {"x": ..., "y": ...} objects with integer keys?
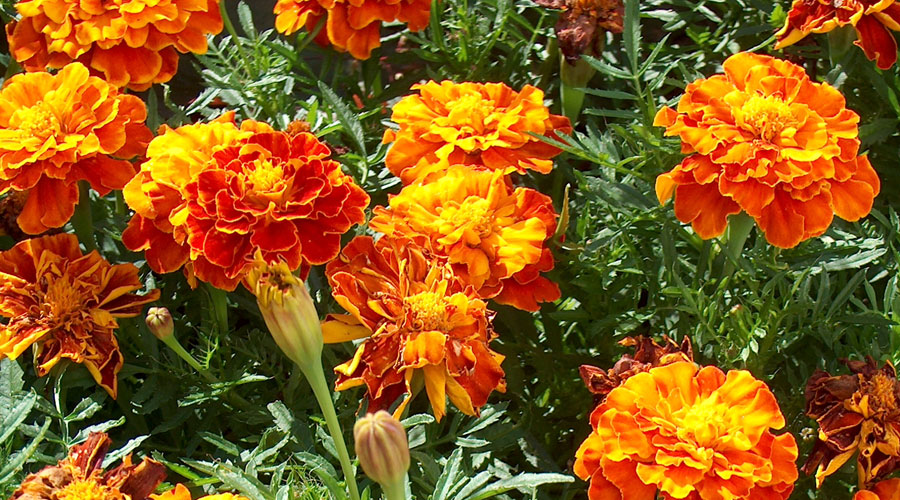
[
  {"x": 176, "y": 346},
  {"x": 316, "y": 377},
  {"x": 82, "y": 220},
  {"x": 574, "y": 78},
  {"x": 739, "y": 227},
  {"x": 395, "y": 491},
  {"x": 234, "y": 36},
  {"x": 219, "y": 301}
]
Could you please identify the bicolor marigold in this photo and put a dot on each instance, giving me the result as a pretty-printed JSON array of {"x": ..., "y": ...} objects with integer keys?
[
  {"x": 180, "y": 492},
  {"x": 213, "y": 195},
  {"x": 766, "y": 140},
  {"x": 133, "y": 43},
  {"x": 65, "y": 304},
  {"x": 858, "y": 414},
  {"x": 885, "y": 490},
  {"x": 495, "y": 236},
  {"x": 415, "y": 316},
  {"x": 873, "y": 20},
  {"x": 681, "y": 431},
  {"x": 80, "y": 476},
  {"x": 56, "y": 130},
  {"x": 350, "y": 26},
  {"x": 483, "y": 125}
]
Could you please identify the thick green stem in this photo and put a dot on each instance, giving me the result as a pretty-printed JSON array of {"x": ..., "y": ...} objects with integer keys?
[
  {"x": 219, "y": 301},
  {"x": 316, "y": 377},
  {"x": 82, "y": 220},
  {"x": 176, "y": 347},
  {"x": 739, "y": 227},
  {"x": 395, "y": 491},
  {"x": 574, "y": 78}
]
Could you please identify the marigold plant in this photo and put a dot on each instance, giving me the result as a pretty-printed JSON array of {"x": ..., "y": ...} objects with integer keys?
[
  {"x": 350, "y": 26},
  {"x": 214, "y": 195},
  {"x": 494, "y": 235},
  {"x": 56, "y": 130},
  {"x": 484, "y": 125},
  {"x": 415, "y": 316},
  {"x": 885, "y": 490},
  {"x": 766, "y": 140},
  {"x": 873, "y": 20},
  {"x": 687, "y": 432},
  {"x": 80, "y": 476},
  {"x": 132, "y": 43},
  {"x": 860, "y": 413},
  {"x": 66, "y": 303},
  {"x": 180, "y": 492}
]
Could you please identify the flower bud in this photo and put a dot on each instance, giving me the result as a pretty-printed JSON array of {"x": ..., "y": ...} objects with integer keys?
[
  {"x": 288, "y": 310},
  {"x": 160, "y": 323},
  {"x": 382, "y": 448}
]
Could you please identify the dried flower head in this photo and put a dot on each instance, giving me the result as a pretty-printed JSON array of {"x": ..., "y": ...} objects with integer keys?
[
  {"x": 856, "y": 413},
  {"x": 582, "y": 24}
]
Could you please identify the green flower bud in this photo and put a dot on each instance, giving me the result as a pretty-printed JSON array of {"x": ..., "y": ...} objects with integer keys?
[
  {"x": 160, "y": 323},
  {"x": 382, "y": 448}
]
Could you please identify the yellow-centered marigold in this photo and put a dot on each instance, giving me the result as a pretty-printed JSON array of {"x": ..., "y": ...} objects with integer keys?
[
  {"x": 180, "y": 492},
  {"x": 494, "y": 235},
  {"x": 483, "y": 125},
  {"x": 418, "y": 319},
  {"x": 56, "y": 130},
  {"x": 352, "y": 26},
  {"x": 133, "y": 43},
  {"x": 685, "y": 432},
  {"x": 79, "y": 476}
]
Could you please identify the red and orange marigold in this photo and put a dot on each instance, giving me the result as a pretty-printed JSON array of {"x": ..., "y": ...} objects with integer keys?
[
  {"x": 874, "y": 21},
  {"x": 885, "y": 490},
  {"x": 417, "y": 318},
  {"x": 56, "y": 130},
  {"x": 66, "y": 303},
  {"x": 680, "y": 431},
  {"x": 483, "y": 125},
  {"x": 495, "y": 236},
  {"x": 766, "y": 140},
  {"x": 214, "y": 195},
  {"x": 133, "y": 43},
  {"x": 352, "y": 26}
]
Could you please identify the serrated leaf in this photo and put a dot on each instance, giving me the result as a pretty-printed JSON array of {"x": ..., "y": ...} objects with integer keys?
[{"x": 347, "y": 118}]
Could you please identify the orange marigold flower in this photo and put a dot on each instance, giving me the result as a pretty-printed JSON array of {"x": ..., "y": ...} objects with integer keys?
[
  {"x": 873, "y": 20},
  {"x": 79, "y": 476},
  {"x": 766, "y": 140},
  {"x": 350, "y": 26},
  {"x": 416, "y": 316},
  {"x": 484, "y": 125},
  {"x": 180, "y": 492},
  {"x": 686, "y": 432},
  {"x": 56, "y": 130},
  {"x": 133, "y": 43},
  {"x": 856, "y": 412},
  {"x": 885, "y": 490},
  {"x": 66, "y": 304},
  {"x": 491, "y": 233},
  {"x": 214, "y": 195}
]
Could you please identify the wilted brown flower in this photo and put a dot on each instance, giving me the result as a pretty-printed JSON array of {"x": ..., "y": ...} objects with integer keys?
[
  {"x": 647, "y": 354},
  {"x": 581, "y": 25},
  {"x": 856, "y": 412}
]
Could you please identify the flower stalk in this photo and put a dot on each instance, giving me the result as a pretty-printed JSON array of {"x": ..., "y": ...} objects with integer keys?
[{"x": 82, "y": 219}]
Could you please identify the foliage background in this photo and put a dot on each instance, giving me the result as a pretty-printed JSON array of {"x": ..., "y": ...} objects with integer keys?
[{"x": 626, "y": 266}]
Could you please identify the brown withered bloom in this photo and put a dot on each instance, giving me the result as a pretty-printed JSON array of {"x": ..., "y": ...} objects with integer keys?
[
  {"x": 856, "y": 413},
  {"x": 582, "y": 23},
  {"x": 79, "y": 476},
  {"x": 647, "y": 354}
]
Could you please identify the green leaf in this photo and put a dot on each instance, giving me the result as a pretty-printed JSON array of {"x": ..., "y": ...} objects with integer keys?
[
  {"x": 347, "y": 118},
  {"x": 522, "y": 482},
  {"x": 16, "y": 416}
]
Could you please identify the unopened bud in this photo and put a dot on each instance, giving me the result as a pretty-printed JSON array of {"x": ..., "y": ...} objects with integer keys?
[
  {"x": 289, "y": 312},
  {"x": 160, "y": 323},
  {"x": 382, "y": 448}
]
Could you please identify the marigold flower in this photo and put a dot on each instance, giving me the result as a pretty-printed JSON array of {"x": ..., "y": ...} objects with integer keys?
[
  {"x": 491, "y": 233},
  {"x": 350, "y": 26},
  {"x": 484, "y": 125},
  {"x": 180, "y": 492},
  {"x": 56, "y": 130},
  {"x": 79, "y": 476},
  {"x": 583, "y": 24},
  {"x": 856, "y": 412},
  {"x": 214, "y": 195},
  {"x": 416, "y": 316},
  {"x": 885, "y": 490},
  {"x": 765, "y": 139},
  {"x": 132, "y": 43},
  {"x": 66, "y": 304},
  {"x": 681, "y": 431},
  {"x": 873, "y": 20}
]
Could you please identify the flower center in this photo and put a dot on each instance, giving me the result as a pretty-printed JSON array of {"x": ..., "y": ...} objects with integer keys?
[
  {"x": 36, "y": 121},
  {"x": 61, "y": 297},
  {"x": 475, "y": 213},
  {"x": 265, "y": 176},
  {"x": 703, "y": 422},
  {"x": 766, "y": 117},
  {"x": 881, "y": 393},
  {"x": 87, "y": 490},
  {"x": 469, "y": 113},
  {"x": 428, "y": 311}
]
